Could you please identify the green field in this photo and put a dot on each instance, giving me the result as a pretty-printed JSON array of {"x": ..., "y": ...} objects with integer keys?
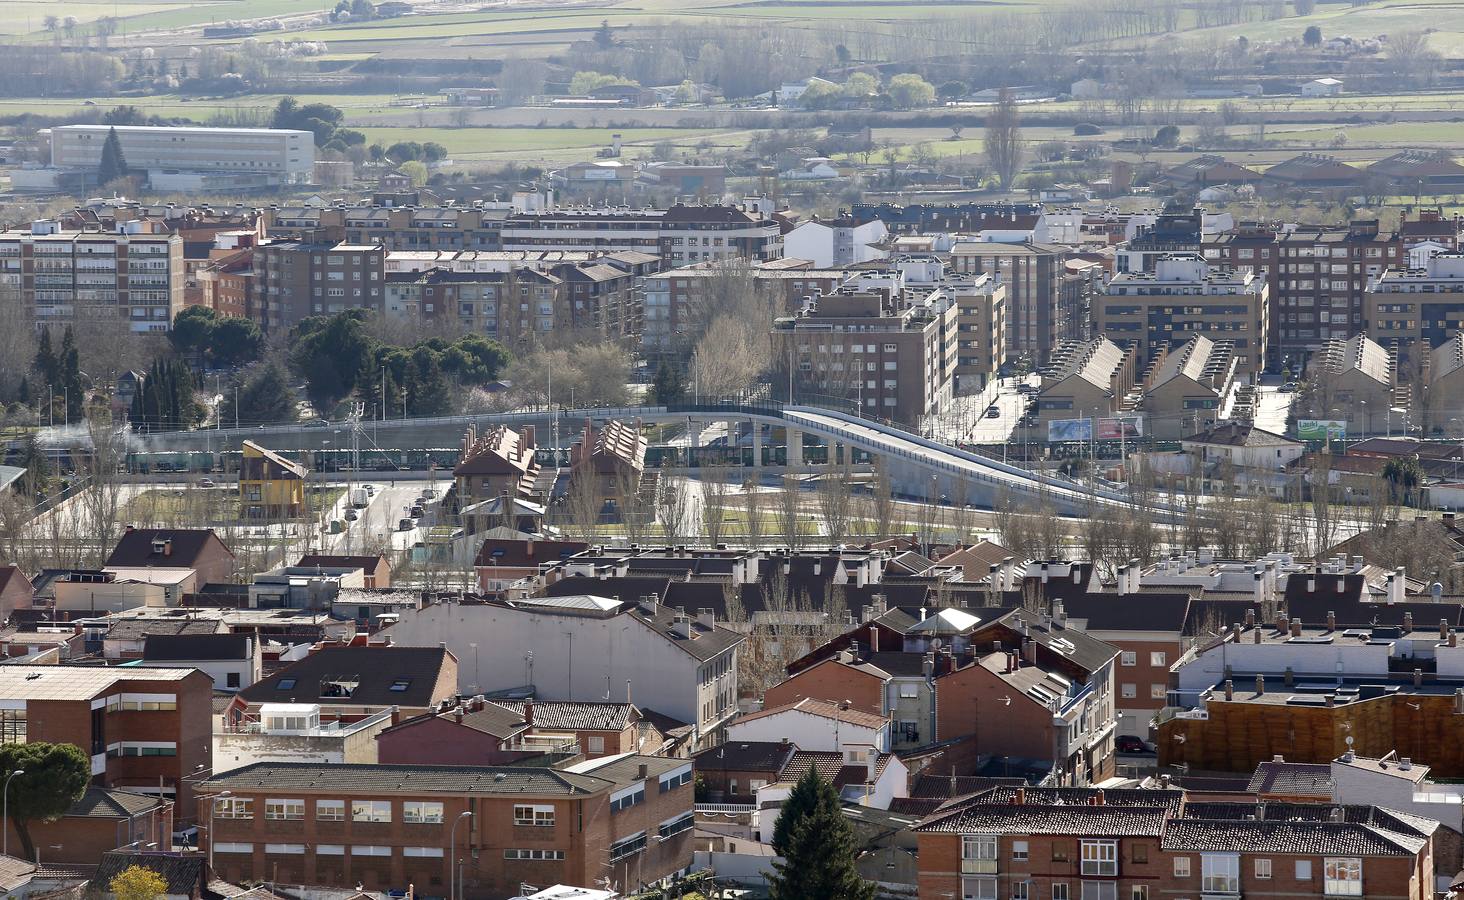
[{"x": 490, "y": 143}]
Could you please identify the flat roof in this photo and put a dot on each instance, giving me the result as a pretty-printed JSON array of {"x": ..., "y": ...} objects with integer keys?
[
  {"x": 172, "y": 129},
  {"x": 21, "y": 682}
]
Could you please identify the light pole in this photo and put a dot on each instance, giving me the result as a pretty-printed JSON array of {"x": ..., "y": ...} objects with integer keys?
[
  {"x": 5, "y": 813},
  {"x": 452, "y": 861},
  {"x": 213, "y": 803}
]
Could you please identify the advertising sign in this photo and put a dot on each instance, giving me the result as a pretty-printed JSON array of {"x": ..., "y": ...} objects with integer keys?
[
  {"x": 1126, "y": 427},
  {"x": 1321, "y": 429},
  {"x": 1069, "y": 430}
]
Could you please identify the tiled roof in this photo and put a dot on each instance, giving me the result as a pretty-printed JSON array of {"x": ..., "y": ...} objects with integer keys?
[
  {"x": 105, "y": 803},
  {"x": 1085, "y": 821},
  {"x": 575, "y": 716},
  {"x": 822, "y": 709},
  {"x": 830, "y": 765},
  {"x": 1297, "y": 779},
  {"x": 1238, "y": 434},
  {"x": 625, "y": 768},
  {"x": 380, "y": 779},
  {"x": 183, "y": 874},
  {"x": 943, "y": 787},
  {"x": 1330, "y": 838},
  {"x": 140, "y": 628}
]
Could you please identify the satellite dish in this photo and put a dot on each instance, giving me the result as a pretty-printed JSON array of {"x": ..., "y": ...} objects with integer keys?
[{"x": 935, "y": 644}]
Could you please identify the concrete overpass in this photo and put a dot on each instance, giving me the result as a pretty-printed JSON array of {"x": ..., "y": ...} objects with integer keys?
[{"x": 918, "y": 467}]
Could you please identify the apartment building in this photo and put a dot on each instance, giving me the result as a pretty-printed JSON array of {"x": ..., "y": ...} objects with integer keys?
[
  {"x": 1189, "y": 389},
  {"x": 1184, "y": 296},
  {"x": 1318, "y": 276},
  {"x": 298, "y": 279},
  {"x": 1444, "y": 393},
  {"x": 63, "y": 277},
  {"x": 145, "y": 728},
  {"x": 1038, "y": 311},
  {"x": 675, "y": 300},
  {"x": 1356, "y": 381},
  {"x": 571, "y": 647},
  {"x": 678, "y": 235},
  {"x": 283, "y": 156},
  {"x": 625, "y": 820},
  {"x": 1084, "y": 379},
  {"x": 1145, "y": 844},
  {"x": 981, "y": 309},
  {"x": 1417, "y": 309},
  {"x": 896, "y": 361}
]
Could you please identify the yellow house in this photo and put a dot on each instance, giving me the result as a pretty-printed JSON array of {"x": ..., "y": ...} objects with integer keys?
[{"x": 270, "y": 486}]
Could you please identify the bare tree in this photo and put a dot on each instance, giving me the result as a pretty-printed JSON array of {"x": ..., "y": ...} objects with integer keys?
[
  {"x": 786, "y": 512},
  {"x": 1003, "y": 143},
  {"x": 752, "y": 514},
  {"x": 673, "y": 509},
  {"x": 636, "y": 510},
  {"x": 835, "y": 505},
  {"x": 882, "y": 501},
  {"x": 584, "y": 501},
  {"x": 715, "y": 488}
]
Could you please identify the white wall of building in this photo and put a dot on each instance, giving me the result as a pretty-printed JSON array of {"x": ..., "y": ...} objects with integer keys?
[{"x": 809, "y": 732}]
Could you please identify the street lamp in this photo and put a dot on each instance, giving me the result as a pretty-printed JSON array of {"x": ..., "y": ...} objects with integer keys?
[
  {"x": 452, "y": 860},
  {"x": 5, "y": 813},
  {"x": 213, "y": 803}
]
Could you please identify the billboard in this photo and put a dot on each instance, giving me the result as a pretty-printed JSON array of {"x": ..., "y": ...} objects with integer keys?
[
  {"x": 1069, "y": 430},
  {"x": 1124, "y": 427},
  {"x": 1321, "y": 429}
]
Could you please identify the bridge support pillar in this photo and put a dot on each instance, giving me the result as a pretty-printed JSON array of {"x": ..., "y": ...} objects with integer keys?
[
  {"x": 795, "y": 449},
  {"x": 757, "y": 446}
]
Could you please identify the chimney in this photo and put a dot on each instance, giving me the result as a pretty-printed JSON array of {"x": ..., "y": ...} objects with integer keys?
[
  {"x": 1282, "y": 623},
  {"x": 1260, "y": 685},
  {"x": 1122, "y": 580},
  {"x": 1296, "y": 628},
  {"x": 529, "y": 712},
  {"x": 1331, "y": 620},
  {"x": 1459, "y": 701},
  {"x": 1059, "y": 612},
  {"x": 1397, "y": 585},
  {"x": 1418, "y": 678},
  {"x": 1443, "y": 629},
  {"x": 707, "y": 619},
  {"x": 1288, "y": 677},
  {"x": 1044, "y": 573},
  {"x": 873, "y": 638},
  {"x": 168, "y": 547},
  {"x": 1331, "y": 700},
  {"x": 1258, "y": 587},
  {"x": 1405, "y": 764},
  {"x": 1453, "y": 638},
  {"x": 643, "y": 772},
  {"x": 1229, "y": 689},
  {"x": 1098, "y": 798},
  {"x": 1250, "y": 618},
  {"x": 1020, "y": 795},
  {"x": 1255, "y": 635},
  {"x": 681, "y": 626},
  {"x": 1407, "y": 620},
  {"x": 458, "y": 715},
  {"x": 1029, "y": 651}
]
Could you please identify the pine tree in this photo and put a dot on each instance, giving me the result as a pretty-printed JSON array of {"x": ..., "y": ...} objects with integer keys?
[
  {"x": 818, "y": 848},
  {"x": 668, "y": 385},
  {"x": 114, "y": 164},
  {"x": 73, "y": 392},
  {"x": 46, "y": 358}
]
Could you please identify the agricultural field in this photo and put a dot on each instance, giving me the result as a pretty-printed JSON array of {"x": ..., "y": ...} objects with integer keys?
[{"x": 544, "y": 144}]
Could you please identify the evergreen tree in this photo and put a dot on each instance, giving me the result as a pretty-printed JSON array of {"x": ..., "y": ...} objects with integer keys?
[
  {"x": 668, "y": 386},
  {"x": 427, "y": 393},
  {"x": 73, "y": 392},
  {"x": 265, "y": 398},
  {"x": 114, "y": 164},
  {"x": 817, "y": 846},
  {"x": 46, "y": 359}
]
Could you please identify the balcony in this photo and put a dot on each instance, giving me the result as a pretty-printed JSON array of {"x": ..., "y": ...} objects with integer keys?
[{"x": 978, "y": 867}]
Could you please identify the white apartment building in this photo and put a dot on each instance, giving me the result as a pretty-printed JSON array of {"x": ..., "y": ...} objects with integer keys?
[
  {"x": 283, "y": 156},
  {"x": 838, "y": 242},
  {"x": 66, "y": 275},
  {"x": 679, "y": 235},
  {"x": 588, "y": 648}
]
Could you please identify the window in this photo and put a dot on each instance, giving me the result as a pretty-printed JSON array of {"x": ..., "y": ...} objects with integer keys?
[
  {"x": 1021, "y": 890},
  {"x": 232, "y": 847},
  {"x": 1019, "y": 850},
  {"x": 1156, "y": 658},
  {"x": 677, "y": 825},
  {"x": 330, "y": 810},
  {"x": 1263, "y": 869},
  {"x": 330, "y": 849},
  {"x": 597, "y": 745},
  {"x": 1128, "y": 691},
  {"x": 630, "y": 797},
  {"x": 534, "y": 814},
  {"x": 12, "y": 726},
  {"x": 1181, "y": 867},
  {"x": 285, "y": 684},
  {"x": 1100, "y": 890},
  {"x": 628, "y": 846},
  {"x": 368, "y": 850},
  {"x": 1140, "y": 892},
  {"x": 401, "y": 684},
  {"x": 673, "y": 780},
  {"x": 232, "y": 679},
  {"x": 1140, "y": 853},
  {"x": 284, "y": 848},
  {"x": 234, "y": 808},
  {"x": 978, "y": 889},
  {"x": 1158, "y": 691},
  {"x": 978, "y": 854},
  {"x": 1220, "y": 873},
  {"x": 1128, "y": 658},
  {"x": 1059, "y": 890},
  {"x": 427, "y": 852},
  {"x": 533, "y": 854},
  {"x": 1100, "y": 857},
  {"x": 422, "y": 813},
  {"x": 1303, "y": 870},
  {"x": 370, "y": 810},
  {"x": 1342, "y": 877},
  {"x": 284, "y": 809}
]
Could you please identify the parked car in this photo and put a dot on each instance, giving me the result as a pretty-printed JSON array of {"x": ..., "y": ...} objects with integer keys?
[
  {"x": 993, "y": 412},
  {"x": 1134, "y": 745},
  {"x": 406, "y": 525},
  {"x": 1288, "y": 387},
  {"x": 205, "y": 482},
  {"x": 429, "y": 494},
  {"x": 418, "y": 512}
]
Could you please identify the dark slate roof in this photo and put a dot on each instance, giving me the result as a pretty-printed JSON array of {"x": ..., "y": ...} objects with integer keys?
[
  {"x": 105, "y": 803},
  {"x": 1297, "y": 779},
  {"x": 148, "y": 626},
  {"x": 704, "y": 644},
  {"x": 745, "y": 756},
  {"x": 1329, "y": 838},
  {"x": 376, "y": 669},
  {"x": 944, "y": 787},
  {"x": 183, "y": 874},
  {"x": 1080, "y": 796},
  {"x": 492, "y": 719},
  {"x": 135, "y": 547},
  {"x": 1083, "y": 821},
  {"x": 1086, "y": 652},
  {"x": 495, "y": 552},
  {"x": 1126, "y": 612},
  {"x": 669, "y": 726},
  {"x": 380, "y": 779},
  {"x": 7, "y": 573},
  {"x": 1242, "y": 435},
  {"x": 188, "y": 647},
  {"x": 328, "y": 561},
  {"x": 1311, "y": 591},
  {"x": 575, "y": 716}
]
